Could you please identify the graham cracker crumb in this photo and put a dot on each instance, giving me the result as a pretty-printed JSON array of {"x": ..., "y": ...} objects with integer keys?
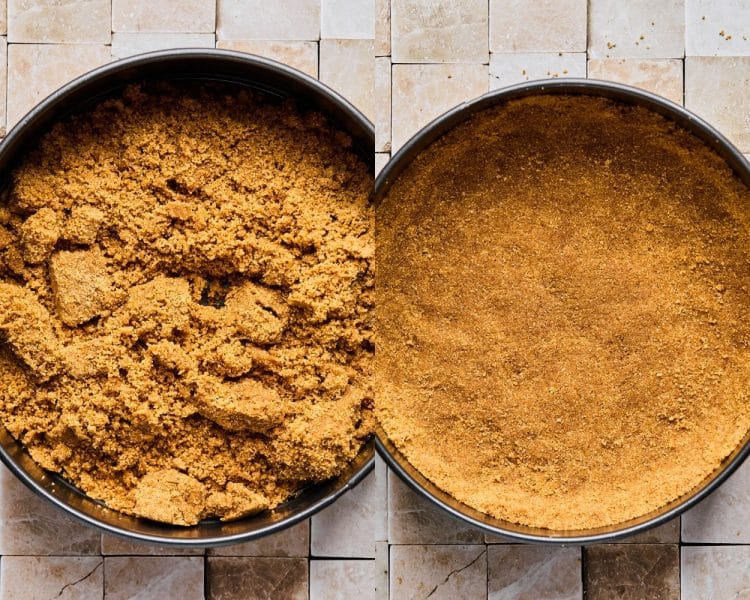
[
  {"x": 39, "y": 234},
  {"x": 82, "y": 226},
  {"x": 170, "y": 496},
  {"x": 186, "y": 279},
  {"x": 553, "y": 349},
  {"x": 80, "y": 284}
]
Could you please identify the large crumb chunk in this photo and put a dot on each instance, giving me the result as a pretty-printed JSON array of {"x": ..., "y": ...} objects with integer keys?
[
  {"x": 172, "y": 356},
  {"x": 39, "y": 234},
  {"x": 246, "y": 405},
  {"x": 229, "y": 358},
  {"x": 26, "y": 326},
  {"x": 258, "y": 313},
  {"x": 318, "y": 441},
  {"x": 80, "y": 284},
  {"x": 157, "y": 308},
  {"x": 6, "y": 238},
  {"x": 83, "y": 225},
  {"x": 236, "y": 502},
  {"x": 90, "y": 358},
  {"x": 169, "y": 496}
]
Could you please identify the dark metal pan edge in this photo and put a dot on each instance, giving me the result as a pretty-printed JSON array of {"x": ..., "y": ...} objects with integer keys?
[
  {"x": 197, "y": 64},
  {"x": 403, "y": 158}
]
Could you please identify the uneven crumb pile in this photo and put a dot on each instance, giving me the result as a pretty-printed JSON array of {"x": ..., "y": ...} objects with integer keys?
[
  {"x": 185, "y": 293},
  {"x": 563, "y": 312}
]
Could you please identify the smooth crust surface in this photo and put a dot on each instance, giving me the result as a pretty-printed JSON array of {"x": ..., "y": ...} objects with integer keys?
[
  {"x": 562, "y": 312},
  {"x": 185, "y": 295}
]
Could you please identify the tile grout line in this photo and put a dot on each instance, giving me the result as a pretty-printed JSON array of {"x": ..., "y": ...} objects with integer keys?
[
  {"x": 216, "y": 23},
  {"x": 588, "y": 36},
  {"x": 487, "y": 566},
  {"x": 206, "y": 579},
  {"x": 583, "y": 571}
]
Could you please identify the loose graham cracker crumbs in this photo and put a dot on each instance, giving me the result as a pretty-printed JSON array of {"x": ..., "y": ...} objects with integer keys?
[
  {"x": 186, "y": 289},
  {"x": 563, "y": 312}
]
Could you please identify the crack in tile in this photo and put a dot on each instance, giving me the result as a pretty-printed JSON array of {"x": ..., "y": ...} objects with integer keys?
[
  {"x": 77, "y": 581},
  {"x": 455, "y": 572}
]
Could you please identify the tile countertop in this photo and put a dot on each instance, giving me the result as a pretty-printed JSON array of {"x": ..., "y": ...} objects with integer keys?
[{"x": 381, "y": 540}]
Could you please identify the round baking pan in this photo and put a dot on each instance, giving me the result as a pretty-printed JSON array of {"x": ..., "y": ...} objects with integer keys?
[
  {"x": 390, "y": 173},
  {"x": 81, "y": 94}
]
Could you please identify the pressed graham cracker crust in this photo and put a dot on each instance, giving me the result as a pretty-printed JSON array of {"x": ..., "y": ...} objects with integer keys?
[
  {"x": 185, "y": 295},
  {"x": 562, "y": 299}
]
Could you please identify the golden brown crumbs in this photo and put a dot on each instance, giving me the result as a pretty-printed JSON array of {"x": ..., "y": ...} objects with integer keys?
[
  {"x": 563, "y": 312},
  {"x": 186, "y": 290}
]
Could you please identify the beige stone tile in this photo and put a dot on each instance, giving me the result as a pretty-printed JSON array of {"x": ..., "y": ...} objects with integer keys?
[
  {"x": 438, "y": 572},
  {"x": 382, "y": 27},
  {"x": 342, "y": 579},
  {"x": 723, "y": 517},
  {"x": 63, "y": 577},
  {"x": 661, "y": 76},
  {"x": 299, "y": 55},
  {"x": 413, "y": 520},
  {"x": 257, "y": 578},
  {"x": 669, "y": 533},
  {"x": 715, "y": 572},
  {"x": 36, "y": 70},
  {"x": 381, "y": 570},
  {"x": 347, "y": 19},
  {"x": 128, "y": 44},
  {"x": 290, "y": 542},
  {"x": 636, "y": 29},
  {"x": 346, "y": 66},
  {"x": 632, "y": 571},
  {"x": 3, "y": 83},
  {"x": 381, "y": 159},
  {"x": 422, "y": 92},
  {"x": 717, "y": 28},
  {"x": 383, "y": 104},
  {"x": 52, "y": 21},
  {"x": 163, "y": 16},
  {"x": 347, "y": 527},
  {"x": 444, "y": 32},
  {"x": 507, "y": 69},
  {"x": 129, "y": 577},
  {"x": 716, "y": 89},
  {"x": 31, "y": 526},
  {"x": 115, "y": 545},
  {"x": 3, "y": 18},
  {"x": 520, "y": 26},
  {"x": 519, "y": 572},
  {"x": 261, "y": 20}
]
